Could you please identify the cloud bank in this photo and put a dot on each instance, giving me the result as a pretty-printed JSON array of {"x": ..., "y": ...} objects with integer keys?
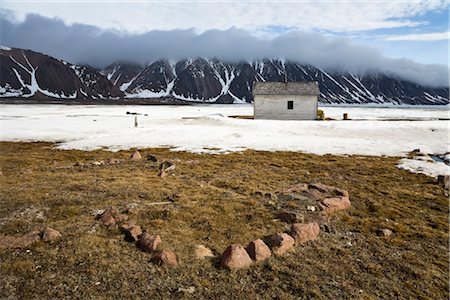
[{"x": 85, "y": 44}]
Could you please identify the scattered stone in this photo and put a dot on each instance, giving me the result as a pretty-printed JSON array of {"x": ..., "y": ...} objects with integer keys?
[
  {"x": 50, "y": 234},
  {"x": 132, "y": 231},
  {"x": 329, "y": 189},
  {"x": 330, "y": 205},
  {"x": 288, "y": 216},
  {"x": 235, "y": 257},
  {"x": 305, "y": 232},
  {"x": 107, "y": 218},
  {"x": 281, "y": 243},
  {"x": 132, "y": 208},
  {"x": 311, "y": 208},
  {"x": 96, "y": 163},
  {"x": 152, "y": 158},
  {"x": 113, "y": 161},
  {"x": 79, "y": 164},
  {"x": 201, "y": 252},
  {"x": 165, "y": 258},
  {"x": 444, "y": 180},
  {"x": 384, "y": 232},
  {"x": 258, "y": 250},
  {"x": 188, "y": 290},
  {"x": 148, "y": 242},
  {"x": 165, "y": 167},
  {"x": 14, "y": 242},
  {"x": 136, "y": 155}
]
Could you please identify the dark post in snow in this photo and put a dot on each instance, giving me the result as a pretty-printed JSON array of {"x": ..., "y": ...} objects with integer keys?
[{"x": 135, "y": 122}]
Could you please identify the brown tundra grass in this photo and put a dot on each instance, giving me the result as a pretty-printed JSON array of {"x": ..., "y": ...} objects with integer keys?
[{"x": 216, "y": 201}]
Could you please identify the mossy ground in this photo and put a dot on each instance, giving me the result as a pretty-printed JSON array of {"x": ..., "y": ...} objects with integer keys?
[{"x": 215, "y": 203}]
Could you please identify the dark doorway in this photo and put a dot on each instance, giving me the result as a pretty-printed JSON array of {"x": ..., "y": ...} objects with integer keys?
[{"x": 290, "y": 104}]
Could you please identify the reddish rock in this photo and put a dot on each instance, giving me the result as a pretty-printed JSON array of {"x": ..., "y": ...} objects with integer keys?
[
  {"x": 327, "y": 189},
  {"x": 305, "y": 232},
  {"x": 235, "y": 257},
  {"x": 107, "y": 218},
  {"x": 13, "y": 242},
  {"x": 281, "y": 243},
  {"x": 50, "y": 234},
  {"x": 165, "y": 167},
  {"x": 132, "y": 231},
  {"x": 136, "y": 155},
  {"x": 330, "y": 205},
  {"x": 166, "y": 258},
  {"x": 258, "y": 250},
  {"x": 148, "y": 242}
]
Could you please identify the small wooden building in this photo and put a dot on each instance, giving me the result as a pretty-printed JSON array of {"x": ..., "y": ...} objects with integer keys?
[{"x": 286, "y": 100}]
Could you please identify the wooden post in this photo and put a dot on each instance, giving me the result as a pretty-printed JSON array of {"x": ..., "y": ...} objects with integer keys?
[
  {"x": 345, "y": 116},
  {"x": 135, "y": 122}
]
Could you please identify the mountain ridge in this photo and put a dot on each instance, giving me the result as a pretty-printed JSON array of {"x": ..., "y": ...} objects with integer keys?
[{"x": 32, "y": 75}]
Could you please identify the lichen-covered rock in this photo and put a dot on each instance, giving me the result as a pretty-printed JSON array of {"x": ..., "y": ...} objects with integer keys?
[
  {"x": 258, "y": 250},
  {"x": 107, "y": 218},
  {"x": 235, "y": 257},
  {"x": 50, "y": 234},
  {"x": 148, "y": 242},
  {"x": 132, "y": 231},
  {"x": 305, "y": 232},
  {"x": 280, "y": 243}
]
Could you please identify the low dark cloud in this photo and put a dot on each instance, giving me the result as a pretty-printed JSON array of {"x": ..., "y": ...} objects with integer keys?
[{"x": 84, "y": 44}]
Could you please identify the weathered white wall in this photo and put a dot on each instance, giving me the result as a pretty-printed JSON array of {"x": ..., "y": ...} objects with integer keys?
[{"x": 275, "y": 107}]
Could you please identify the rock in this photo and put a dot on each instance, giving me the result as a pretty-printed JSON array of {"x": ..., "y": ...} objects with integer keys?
[
  {"x": 298, "y": 188},
  {"x": 152, "y": 158},
  {"x": 148, "y": 242},
  {"x": 331, "y": 190},
  {"x": 107, "y": 218},
  {"x": 281, "y": 243},
  {"x": 14, "y": 242},
  {"x": 165, "y": 167},
  {"x": 288, "y": 216},
  {"x": 201, "y": 252},
  {"x": 311, "y": 208},
  {"x": 188, "y": 290},
  {"x": 330, "y": 205},
  {"x": 384, "y": 232},
  {"x": 96, "y": 163},
  {"x": 132, "y": 232},
  {"x": 165, "y": 258},
  {"x": 132, "y": 208},
  {"x": 235, "y": 257},
  {"x": 444, "y": 180},
  {"x": 50, "y": 234},
  {"x": 305, "y": 232},
  {"x": 136, "y": 155},
  {"x": 79, "y": 164},
  {"x": 258, "y": 250},
  {"x": 113, "y": 161}
]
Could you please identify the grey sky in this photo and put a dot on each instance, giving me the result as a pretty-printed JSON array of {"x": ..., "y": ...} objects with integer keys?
[{"x": 79, "y": 43}]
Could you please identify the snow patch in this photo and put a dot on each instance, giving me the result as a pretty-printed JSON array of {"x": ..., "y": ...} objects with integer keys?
[{"x": 424, "y": 166}]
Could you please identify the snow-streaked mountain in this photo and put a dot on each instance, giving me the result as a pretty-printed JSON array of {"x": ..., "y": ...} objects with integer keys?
[
  {"x": 32, "y": 75},
  {"x": 204, "y": 80}
]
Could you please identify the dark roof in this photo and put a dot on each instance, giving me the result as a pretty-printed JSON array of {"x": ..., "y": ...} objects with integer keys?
[{"x": 286, "y": 88}]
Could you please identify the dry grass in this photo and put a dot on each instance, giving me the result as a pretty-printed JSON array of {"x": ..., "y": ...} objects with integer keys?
[{"x": 216, "y": 203}]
